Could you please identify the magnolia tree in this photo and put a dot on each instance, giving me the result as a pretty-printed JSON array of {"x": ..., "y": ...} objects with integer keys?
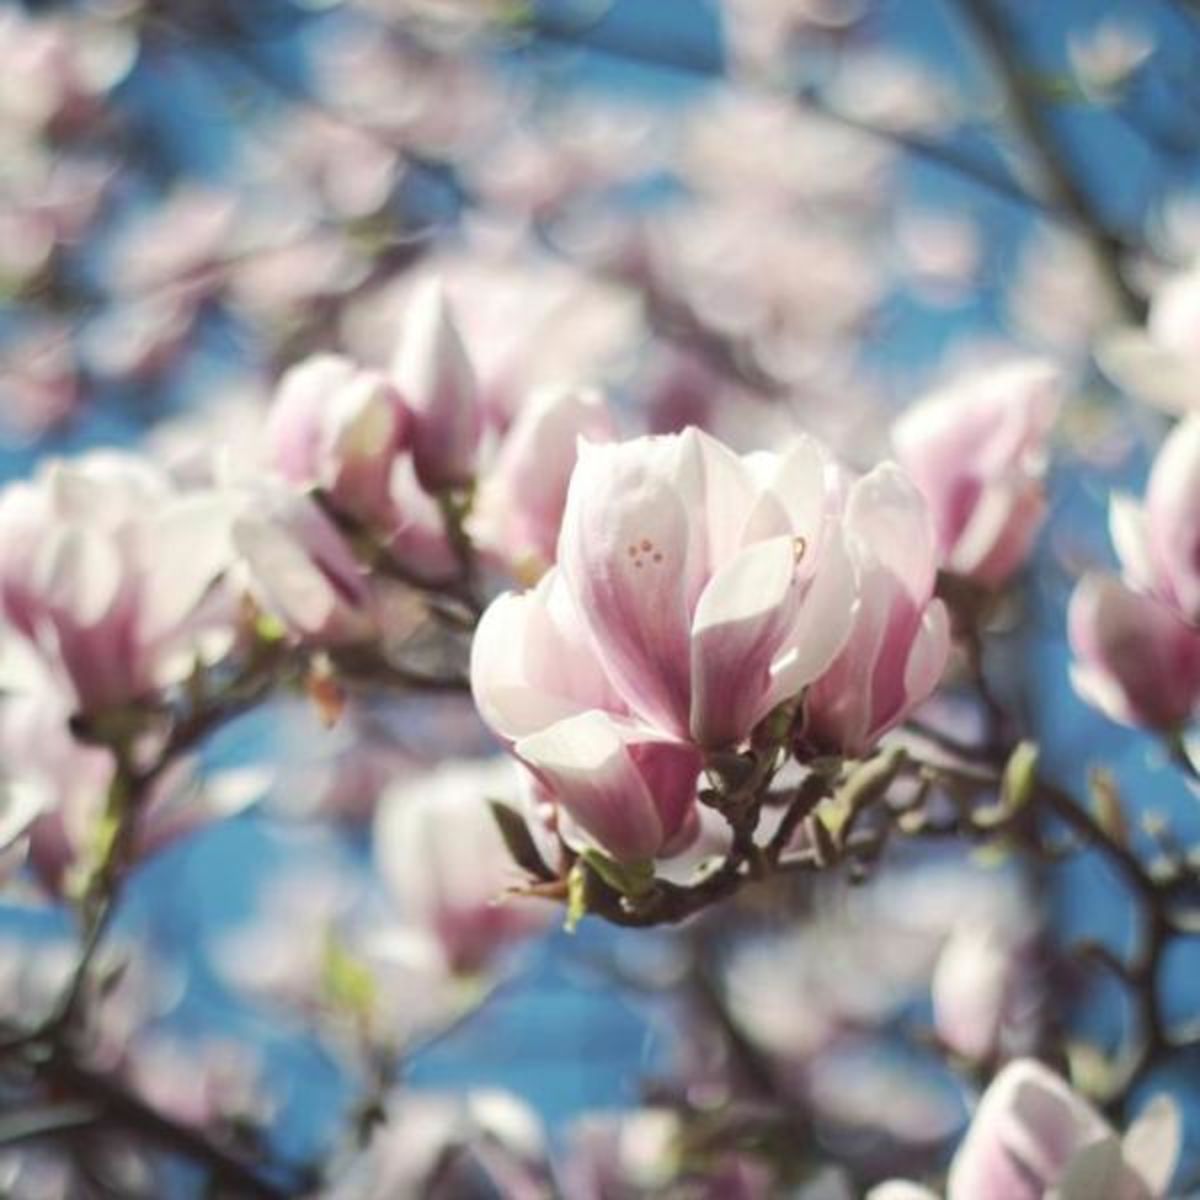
[{"x": 570, "y": 562}]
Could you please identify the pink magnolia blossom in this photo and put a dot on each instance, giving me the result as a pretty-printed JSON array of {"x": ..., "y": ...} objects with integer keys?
[
  {"x": 1159, "y": 542},
  {"x": 1135, "y": 659},
  {"x": 713, "y": 587},
  {"x": 977, "y": 452},
  {"x": 437, "y": 381},
  {"x": 519, "y": 507},
  {"x": 61, "y": 786},
  {"x": 900, "y": 638},
  {"x": 300, "y": 569},
  {"x": 1032, "y": 1136},
  {"x": 696, "y": 591},
  {"x": 58, "y": 68},
  {"x": 339, "y": 427},
  {"x": 106, "y": 574},
  {"x": 440, "y": 852}
]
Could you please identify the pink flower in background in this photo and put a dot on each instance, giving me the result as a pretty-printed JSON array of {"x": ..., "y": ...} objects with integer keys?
[
  {"x": 63, "y": 785},
  {"x": 299, "y": 567},
  {"x": 981, "y": 990},
  {"x": 39, "y": 384},
  {"x": 900, "y": 638},
  {"x": 440, "y": 852},
  {"x": 176, "y": 244},
  {"x": 1136, "y": 660},
  {"x": 712, "y": 586},
  {"x": 519, "y": 506},
  {"x": 437, "y": 382},
  {"x": 339, "y": 427},
  {"x": 1159, "y": 542},
  {"x": 1032, "y": 1136},
  {"x": 977, "y": 451},
  {"x": 58, "y": 68},
  {"x": 106, "y": 574}
]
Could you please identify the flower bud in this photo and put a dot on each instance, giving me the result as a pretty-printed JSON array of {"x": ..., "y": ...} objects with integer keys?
[
  {"x": 336, "y": 426},
  {"x": 1136, "y": 660},
  {"x": 1159, "y": 543},
  {"x": 900, "y": 638},
  {"x": 435, "y": 378},
  {"x": 977, "y": 452},
  {"x": 519, "y": 508}
]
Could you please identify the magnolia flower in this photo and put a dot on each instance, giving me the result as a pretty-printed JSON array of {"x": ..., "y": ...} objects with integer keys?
[
  {"x": 977, "y": 452},
  {"x": 713, "y": 586},
  {"x": 900, "y": 637},
  {"x": 696, "y": 591},
  {"x": 300, "y": 569},
  {"x": 435, "y": 377},
  {"x": 338, "y": 427},
  {"x": 58, "y": 789},
  {"x": 1135, "y": 659},
  {"x": 106, "y": 574},
  {"x": 441, "y": 854},
  {"x": 519, "y": 508},
  {"x": 1159, "y": 543},
  {"x": 1032, "y": 1136}
]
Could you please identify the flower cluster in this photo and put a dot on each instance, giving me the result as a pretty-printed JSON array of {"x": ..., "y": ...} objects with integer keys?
[{"x": 696, "y": 593}]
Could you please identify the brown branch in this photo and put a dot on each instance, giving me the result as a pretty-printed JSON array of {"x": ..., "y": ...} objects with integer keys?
[{"x": 998, "y": 41}]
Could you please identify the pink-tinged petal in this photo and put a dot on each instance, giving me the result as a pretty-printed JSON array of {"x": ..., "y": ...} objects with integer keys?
[
  {"x": 719, "y": 493},
  {"x": 1173, "y": 513},
  {"x": 184, "y": 550},
  {"x": 531, "y": 665},
  {"x": 886, "y": 513},
  {"x": 865, "y": 691},
  {"x": 434, "y": 376},
  {"x": 415, "y": 528},
  {"x": 79, "y": 575},
  {"x": 823, "y": 624},
  {"x": 796, "y": 491},
  {"x": 1131, "y": 539},
  {"x": 519, "y": 508},
  {"x": 928, "y": 655},
  {"x": 743, "y": 616},
  {"x": 599, "y": 770},
  {"x": 303, "y": 571},
  {"x": 977, "y": 451},
  {"x": 628, "y": 552},
  {"x": 337, "y": 426},
  {"x": 1152, "y": 1144},
  {"x": 1136, "y": 660},
  {"x": 1096, "y": 1170},
  {"x": 440, "y": 852},
  {"x": 999, "y": 535},
  {"x": 1027, "y": 1129},
  {"x": 86, "y": 619},
  {"x": 294, "y": 432}
]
